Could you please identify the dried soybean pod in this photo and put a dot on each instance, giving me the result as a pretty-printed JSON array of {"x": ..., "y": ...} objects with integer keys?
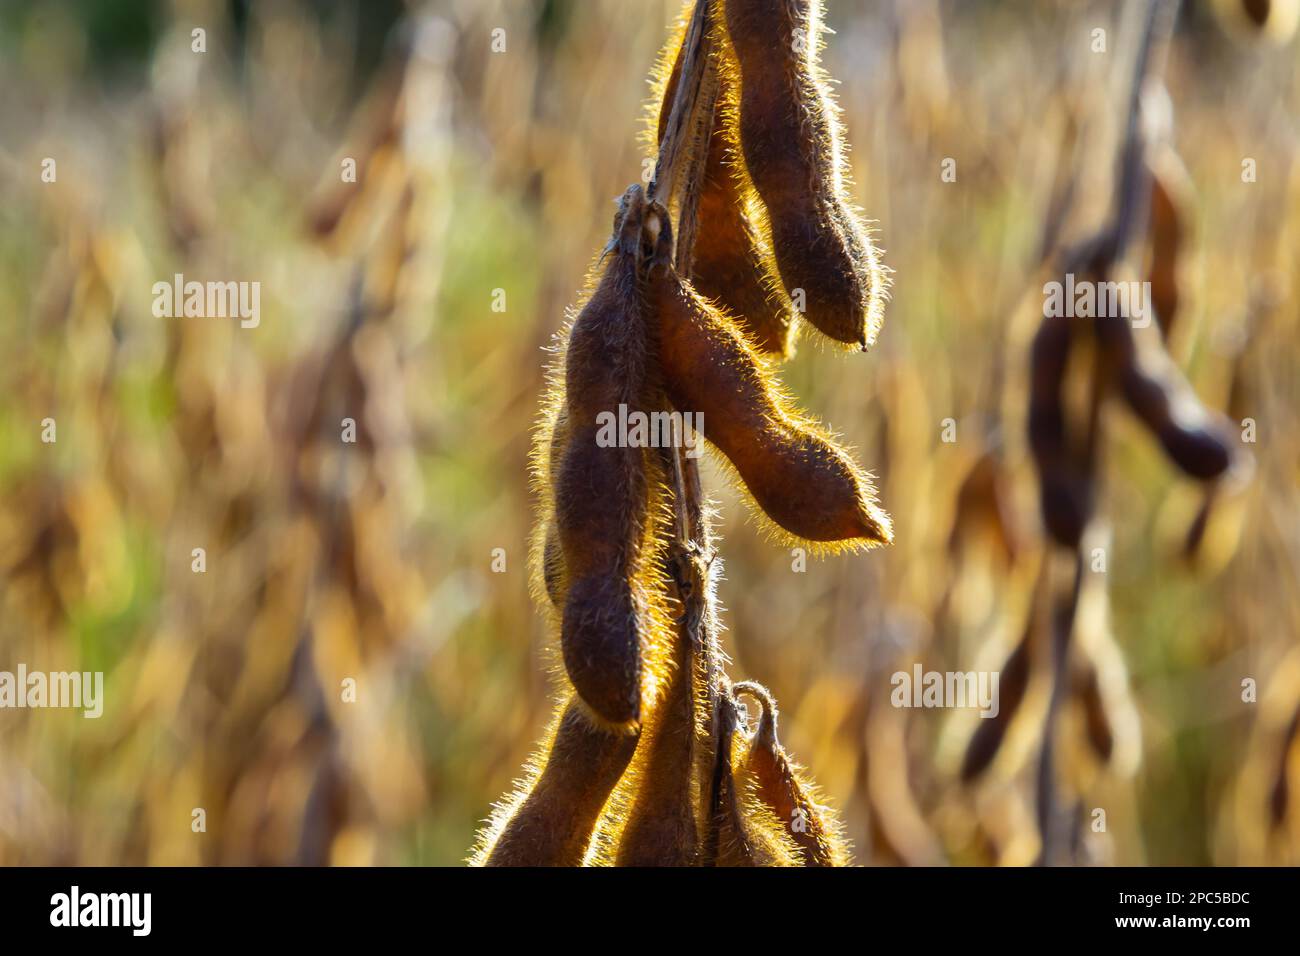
[
  {"x": 794, "y": 150},
  {"x": 554, "y": 574},
  {"x": 1164, "y": 402},
  {"x": 1241, "y": 385},
  {"x": 1169, "y": 188},
  {"x": 1258, "y": 12},
  {"x": 778, "y": 786},
  {"x": 1065, "y": 488},
  {"x": 1271, "y": 20},
  {"x": 602, "y": 495},
  {"x": 730, "y": 265},
  {"x": 550, "y": 821},
  {"x": 598, "y": 512},
  {"x": 1096, "y": 722},
  {"x": 661, "y": 827},
  {"x": 1279, "y": 797},
  {"x": 384, "y": 110},
  {"x": 747, "y": 832},
  {"x": 549, "y": 560},
  {"x": 546, "y": 573},
  {"x": 983, "y": 499},
  {"x": 990, "y": 732},
  {"x": 1100, "y": 686},
  {"x": 798, "y": 476}
]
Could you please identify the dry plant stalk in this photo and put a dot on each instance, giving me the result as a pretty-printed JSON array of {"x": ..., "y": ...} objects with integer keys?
[
  {"x": 650, "y": 762},
  {"x": 1113, "y": 359}
]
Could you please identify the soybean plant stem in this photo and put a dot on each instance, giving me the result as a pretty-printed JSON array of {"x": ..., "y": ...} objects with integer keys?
[
  {"x": 680, "y": 168},
  {"x": 1132, "y": 199}
]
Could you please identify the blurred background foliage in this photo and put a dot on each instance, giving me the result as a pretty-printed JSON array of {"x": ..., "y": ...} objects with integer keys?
[{"x": 484, "y": 171}]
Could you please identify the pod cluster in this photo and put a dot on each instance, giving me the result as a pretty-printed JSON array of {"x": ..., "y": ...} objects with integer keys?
[
  {"x": 1126, "y": 360},
  {"x": 676, "y": 353},
  {"x": 781, "y": 246},
  {"x": 650, "y": 760}
]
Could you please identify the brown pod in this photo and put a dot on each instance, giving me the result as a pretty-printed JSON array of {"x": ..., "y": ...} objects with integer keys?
[
  {"x": 746, "y": 832},
  {"x": 661, "y": 827},
  {"x": 1279, "y": 797},
  {"x": 793, "y": 146},
  {"x": 1166, "y": 232},
  {"x": 600, "y": 508},
  {"x": 778, "y": 786},
  {"x": 552, "y": 823},
  {"x": 602, "y": 494},
  {"x": 1065, "y": 485},
  {"x": 1257, "y": 11},
  {"x": 987, "y": 739},
  {"x": 1200, "y": 523},
  {"x": 1164, "y": 402},
  {"x": 550, "y": 561},
  {"x": 799, "y": 477},
  {"x": 1270, "y": 20},
  {"x": 729, "y": 264},
  {"x": 378, "y": 154},
  {"x": 984, "y": 505},
  {"x": 1097, "y": 724},
  {"x": 554, "y": 575}
]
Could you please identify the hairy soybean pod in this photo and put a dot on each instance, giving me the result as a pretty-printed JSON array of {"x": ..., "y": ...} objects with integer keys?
[
  {"x": 799, "y": 477},
  {"x": 729, "y": 265},
  {"x": 661, "y": 827},
  {"x": 553, "y": 571},
  {"x": 794, "y": 150},
  {"x": 747, "y": 832},
  {"x": 552, "y": 822},
  {"x": 600, "y": 510},
  {"x": 549, "y": 560},
  {"x": 1163, "y": 401},
  {"x": 602, "y": 507},
  {"x": 778, "y": 786}
]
